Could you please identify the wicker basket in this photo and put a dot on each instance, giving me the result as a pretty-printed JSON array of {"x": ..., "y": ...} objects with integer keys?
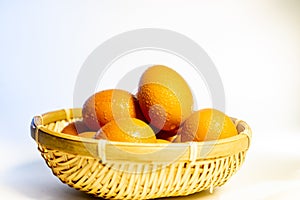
[{"x": 118, "y": 170}]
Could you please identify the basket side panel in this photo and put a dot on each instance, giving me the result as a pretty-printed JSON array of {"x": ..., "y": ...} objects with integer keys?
[{"x": 138, "y": 181}]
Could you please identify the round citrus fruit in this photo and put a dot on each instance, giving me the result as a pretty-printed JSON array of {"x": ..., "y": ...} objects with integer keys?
[
  {"x": 74, "y": 128},
  {"x": 108, "y": 105},
  {"x": 207, "y": 124},
  {"x": 127, "y": 130},
  {"x": 164, "y": 97}
]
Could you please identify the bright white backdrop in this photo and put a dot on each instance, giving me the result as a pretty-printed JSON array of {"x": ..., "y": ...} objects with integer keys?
[{"x": 255, "y": 46}]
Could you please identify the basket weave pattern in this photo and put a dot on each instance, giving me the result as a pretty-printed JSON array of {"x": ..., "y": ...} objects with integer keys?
[{"x": 137, "y": 180}]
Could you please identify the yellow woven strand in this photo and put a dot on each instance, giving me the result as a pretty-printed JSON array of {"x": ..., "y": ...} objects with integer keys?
[
  {"x": 193, "y": 152},
  {"x": 101, "y": 150},
  {"x": 68, "y": 114}
]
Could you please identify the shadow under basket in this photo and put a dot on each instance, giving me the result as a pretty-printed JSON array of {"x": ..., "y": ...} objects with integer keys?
[{"x": 120, "y": 170}]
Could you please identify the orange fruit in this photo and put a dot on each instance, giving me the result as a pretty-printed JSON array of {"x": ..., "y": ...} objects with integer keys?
[
  {"x": 108, "y": 105},
  {"x": 207, "y": 124},
  {"x": 164, "y": 97},
  {"x": 127, "y": 130},
  {"x": 74, "y": 128}
]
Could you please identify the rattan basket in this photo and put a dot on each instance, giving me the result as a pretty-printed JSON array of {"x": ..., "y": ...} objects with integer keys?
[{"x": 118, "y": 170}]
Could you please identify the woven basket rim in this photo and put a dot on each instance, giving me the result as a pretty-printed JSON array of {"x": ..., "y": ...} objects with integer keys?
[{"x": 108, "y": 150}]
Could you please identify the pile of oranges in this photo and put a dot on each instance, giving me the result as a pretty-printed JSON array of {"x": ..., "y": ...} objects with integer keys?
[{"x": 161, "y": 111}]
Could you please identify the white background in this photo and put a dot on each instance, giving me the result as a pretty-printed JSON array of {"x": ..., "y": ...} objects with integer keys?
[{"x": 255, "y": 46}]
